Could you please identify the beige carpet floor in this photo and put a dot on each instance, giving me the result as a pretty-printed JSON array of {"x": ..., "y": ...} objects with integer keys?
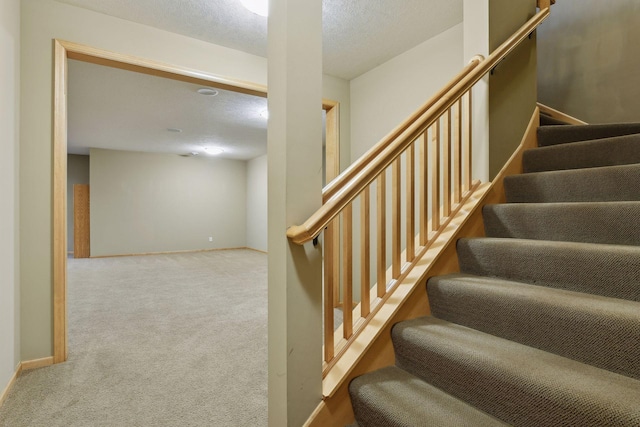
[{"x": 161, "y": 340}]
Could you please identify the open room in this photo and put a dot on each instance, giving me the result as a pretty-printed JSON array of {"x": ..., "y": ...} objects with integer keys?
[{"x": 171, "y": 290}]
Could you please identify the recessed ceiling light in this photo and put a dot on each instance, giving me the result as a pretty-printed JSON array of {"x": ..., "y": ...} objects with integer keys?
[
  {"x": 259, "y": 7},
  {"x": 213, "y": 151},
  {"x": 207, "y": 91},
  {"x": 176, "y": 130}
]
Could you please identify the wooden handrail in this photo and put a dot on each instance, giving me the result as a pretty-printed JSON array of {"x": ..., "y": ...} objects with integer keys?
[{"x": 382, "y": 156}]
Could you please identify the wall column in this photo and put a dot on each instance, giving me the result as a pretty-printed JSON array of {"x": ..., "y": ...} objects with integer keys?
[
  {"x": 513, "y": 84},
  {"x": 9, "y": 218},
  {"x": 294, "y": 187},
  {"x": 505, "y": 99}
]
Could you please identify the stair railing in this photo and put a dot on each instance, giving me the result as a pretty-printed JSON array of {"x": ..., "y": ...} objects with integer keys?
[{"x": 432, "y": 148}]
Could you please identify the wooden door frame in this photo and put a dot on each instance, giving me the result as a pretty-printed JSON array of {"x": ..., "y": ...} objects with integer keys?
[
  {"x": 64, "y": 50},
  {"x": 81, "y": 221}
]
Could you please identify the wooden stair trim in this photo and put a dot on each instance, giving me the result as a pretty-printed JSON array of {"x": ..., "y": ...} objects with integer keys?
[{"x": 559, "y": 115}]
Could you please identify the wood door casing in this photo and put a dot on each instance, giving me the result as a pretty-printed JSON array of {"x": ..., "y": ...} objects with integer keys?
[{"x": 81, "y": 221}]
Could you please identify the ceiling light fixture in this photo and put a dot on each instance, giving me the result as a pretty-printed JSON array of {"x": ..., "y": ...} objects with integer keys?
[
  {"x": 174, "y": 130},
  {"x": 207, "y": 91},
  {"x": 213, "y": 151},
  {"x": 259, "y": 7}
]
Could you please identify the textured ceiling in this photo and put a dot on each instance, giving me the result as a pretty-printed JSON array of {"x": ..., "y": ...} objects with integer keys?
[
  {"x": 115, "y": 109},
  {"x": 358, "y": 34},
  {"x": 123, "y": 110}
]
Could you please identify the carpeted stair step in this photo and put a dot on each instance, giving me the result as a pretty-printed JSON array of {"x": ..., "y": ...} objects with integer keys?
[
  {"x": 551, "y": 135},
  {"x": 391, "y": 397},
  {"x": 517, "y": 384},
  {"x": 589, "y": 222},
  {"x": 620, "y": 150},
  {"x": 603, "y": 332},
  {"x": 602, "y": 184},
  {"x": 606, "y": 270}
]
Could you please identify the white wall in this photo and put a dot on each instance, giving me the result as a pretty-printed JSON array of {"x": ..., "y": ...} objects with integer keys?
[
  {"x": 150, "y": 202},
  {"x": 42, "y": 21},
  {"x": 77, "y": 173},
  {"x": 589, "y": 60},
  {"x": 9, "y": 120},
  {"x": 476, "y": 42},
  {"x": 385, "y": 96},
  {"x": 257, "y": 203}
]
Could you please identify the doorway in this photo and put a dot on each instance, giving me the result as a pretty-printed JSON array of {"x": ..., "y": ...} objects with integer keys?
[{"x": 67, "y": 50}]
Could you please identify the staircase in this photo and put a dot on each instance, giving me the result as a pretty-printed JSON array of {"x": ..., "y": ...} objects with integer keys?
[{"x": 542, "y": 325}]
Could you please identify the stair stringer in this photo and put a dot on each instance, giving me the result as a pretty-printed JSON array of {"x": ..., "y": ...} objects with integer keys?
[
  {"x": 559, "y": 115},
  {"x": 409, "y": 300}
]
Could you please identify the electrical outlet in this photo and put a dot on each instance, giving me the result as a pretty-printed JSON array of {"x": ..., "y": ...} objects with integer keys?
[{"x": 210, "y": 239}]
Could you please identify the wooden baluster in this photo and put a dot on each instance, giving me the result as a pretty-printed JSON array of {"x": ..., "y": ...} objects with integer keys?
[
  {"x": 396, "y": 201},
  {"x": 435, "y": 177},
  {"x": 411, "y": 202},
  {"x": 424, "y": 189},
  {"x": 333, "y": 275},
  {"x": 365, "y": 253},
  {"x": 468, "y": 142},
  {"x": 382, "y": 234},
  {"x": 446, "y": 164},
  {"x": 329, "y": 249},
  {"x": 457, "y": 152},
  {"x": 347, "y": 270},
  {"x": 335, "y": 272}
]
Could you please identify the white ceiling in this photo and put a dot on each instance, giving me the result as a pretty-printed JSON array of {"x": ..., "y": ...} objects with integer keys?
[
  {"x": 358, "y": 34},
  {"x": 123, "y": 110},
  {"x": 116, "y": 109}
]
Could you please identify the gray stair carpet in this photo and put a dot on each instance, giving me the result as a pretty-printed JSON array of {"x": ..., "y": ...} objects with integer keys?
[
  {"x": 518, "y": 384},
  {"x": 542, "y": 325},
  {"x": 526, "y": 313},
  {"x": 607, "y": 270},
  {"x": 610, "y": 183},
  {"x": 587, "y": 222},
  {"x": 551, "y": 135},
  {"x": 393, "y": 397},
  {"x": 619, "y": 150}
]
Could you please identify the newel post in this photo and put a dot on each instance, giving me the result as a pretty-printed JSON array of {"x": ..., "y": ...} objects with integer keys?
[{"x": 295, "y": 191}]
